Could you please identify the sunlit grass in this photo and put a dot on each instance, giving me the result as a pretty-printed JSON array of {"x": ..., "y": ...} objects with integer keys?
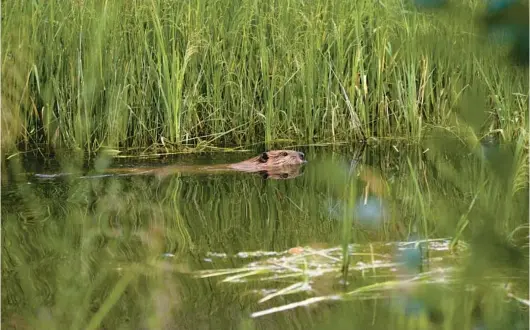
[{"x": 161, "y": 74}]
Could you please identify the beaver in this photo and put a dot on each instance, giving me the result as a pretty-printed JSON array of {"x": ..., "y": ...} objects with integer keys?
[
  {"x": 270, "y": 160},
  {"x": 274, "y": 164}
]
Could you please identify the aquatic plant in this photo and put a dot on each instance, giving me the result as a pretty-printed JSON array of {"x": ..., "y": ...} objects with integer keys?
[{"x": 161, "y": 74}]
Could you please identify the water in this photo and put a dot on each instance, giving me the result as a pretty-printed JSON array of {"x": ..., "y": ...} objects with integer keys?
[{"x": 434, "y": 241}]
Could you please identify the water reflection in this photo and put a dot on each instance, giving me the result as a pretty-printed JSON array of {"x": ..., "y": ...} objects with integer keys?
[{"x": 126, "y": 249}]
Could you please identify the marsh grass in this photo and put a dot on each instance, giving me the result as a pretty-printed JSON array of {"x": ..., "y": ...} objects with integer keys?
[{"x": 122, "y": 74}]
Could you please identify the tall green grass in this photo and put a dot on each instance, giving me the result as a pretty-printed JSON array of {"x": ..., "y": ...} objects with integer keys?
[{"x": 138, "y": 74}]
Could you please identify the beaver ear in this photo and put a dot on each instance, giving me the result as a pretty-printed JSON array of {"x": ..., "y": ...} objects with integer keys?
[
  {"x": 264, "y": 175},
  {"x": 263, "y": 157}
]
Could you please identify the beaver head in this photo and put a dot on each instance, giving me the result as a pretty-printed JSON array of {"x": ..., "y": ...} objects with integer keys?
[
  {"x": 270, "y": 160},
  {"x": 280, "y": 158}
]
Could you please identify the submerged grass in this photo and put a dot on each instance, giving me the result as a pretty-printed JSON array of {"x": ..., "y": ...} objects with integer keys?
[
  {"x": 374, "y": 273},
  {"x": 129, "y": 74}
]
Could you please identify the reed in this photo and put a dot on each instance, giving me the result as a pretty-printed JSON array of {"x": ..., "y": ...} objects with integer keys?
[{"x": 159, "y": 73}]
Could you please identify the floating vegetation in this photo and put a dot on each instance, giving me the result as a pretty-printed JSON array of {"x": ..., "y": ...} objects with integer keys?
[{"x": 298, "y": 269}]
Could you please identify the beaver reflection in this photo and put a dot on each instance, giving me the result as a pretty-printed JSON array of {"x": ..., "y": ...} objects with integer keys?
[{"x": 289, "y": 172}]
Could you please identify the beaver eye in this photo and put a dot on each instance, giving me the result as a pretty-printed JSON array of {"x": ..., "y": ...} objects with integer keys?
[
  {"x": 284, "y": 154},
  {"x": 263, "y": 157}
]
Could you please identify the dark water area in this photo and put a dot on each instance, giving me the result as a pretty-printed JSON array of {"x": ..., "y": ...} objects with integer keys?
[{"x": 366, "y": 237}]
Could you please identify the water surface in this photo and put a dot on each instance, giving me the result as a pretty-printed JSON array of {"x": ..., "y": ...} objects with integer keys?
[{"x": 428, "y": 244}]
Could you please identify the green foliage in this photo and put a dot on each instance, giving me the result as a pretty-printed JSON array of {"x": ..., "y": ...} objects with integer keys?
[
  {"x": 118, "y": 252},
  {"x": 129, "y": 74}
]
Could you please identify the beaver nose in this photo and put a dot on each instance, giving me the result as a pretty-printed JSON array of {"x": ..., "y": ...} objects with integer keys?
[{"x": 302, "y": 156}]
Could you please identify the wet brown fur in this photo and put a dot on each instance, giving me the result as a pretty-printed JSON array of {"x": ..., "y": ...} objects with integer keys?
[{"x": 274, "y": 164}]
